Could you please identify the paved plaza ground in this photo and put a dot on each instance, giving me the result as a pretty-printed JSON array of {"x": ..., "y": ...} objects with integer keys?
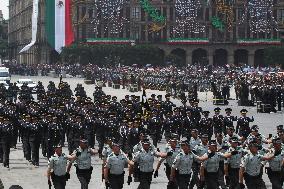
[{"x": 34, "y": 178}]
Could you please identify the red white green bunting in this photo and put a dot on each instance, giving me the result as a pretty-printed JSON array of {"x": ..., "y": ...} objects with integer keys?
[
  {"x": 189, "y": 41},
  {"x": 109, "y": 41},
  {"x": 249, "y": 42}
]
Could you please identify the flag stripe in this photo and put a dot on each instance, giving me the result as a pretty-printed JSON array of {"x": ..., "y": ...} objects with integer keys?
[
  {"x": 69, "y": 37},
  {"x": 59, "y": 25},
  {"x": 50, "y": 17}
]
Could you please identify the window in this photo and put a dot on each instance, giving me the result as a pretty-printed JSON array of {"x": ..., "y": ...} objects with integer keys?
[
  {"x": 281, "y": 15},
  {"x": 90, "y": 13},
  {"x": 240, "y": 14},
  {"x": 83, "y": 12},
  {"x": 135, "y": 13},
  {"x": 136, "y": 33}
]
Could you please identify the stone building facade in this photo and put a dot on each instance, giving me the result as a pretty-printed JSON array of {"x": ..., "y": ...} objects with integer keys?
[{"x": 239, "y": 46}]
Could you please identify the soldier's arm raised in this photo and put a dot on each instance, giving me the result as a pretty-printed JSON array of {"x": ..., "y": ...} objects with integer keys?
[{"x": 241, "y": 175}]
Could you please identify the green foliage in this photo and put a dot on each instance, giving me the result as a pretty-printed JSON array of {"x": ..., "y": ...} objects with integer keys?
[
  {"x": 112, "y": 54},
  {"x": 274, "y": 56},
  {"x": 217, "y": 23}
]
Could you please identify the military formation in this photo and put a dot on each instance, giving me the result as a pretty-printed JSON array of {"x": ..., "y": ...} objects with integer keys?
[{"x": 201, "y": 150}]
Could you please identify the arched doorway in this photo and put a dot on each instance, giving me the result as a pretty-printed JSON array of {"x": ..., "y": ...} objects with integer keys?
[
  {"x": 220, "y": 57},
  {"x": 54, "y": 57},
  {"x": 241, "y": 57},
  {"x": 199, "y": 56},
  {"x": 259, "y": 58},
  {"x": 162, "y": 57},
  {"x": 177, "y": 57}
]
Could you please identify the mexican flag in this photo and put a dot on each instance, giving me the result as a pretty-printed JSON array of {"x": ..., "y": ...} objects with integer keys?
[{"x": 59, "y": 23}]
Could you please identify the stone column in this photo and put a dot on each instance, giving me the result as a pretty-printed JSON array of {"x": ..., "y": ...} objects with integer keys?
[
  {"x": 251, "y": 58},
  {"x": 231, "y": 57},
  {"x": 210, "y": 56},
  {"x": 188, "y": 58}
]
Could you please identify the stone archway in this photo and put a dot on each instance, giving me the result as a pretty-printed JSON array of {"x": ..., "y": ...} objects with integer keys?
[
  {"x": 200, "y": 56},
  {"x": 241, "y": 57},
  {"x": 259, "y": 58},
  {"x": 162, "y": 55},
  {"x": 220, "y": 57},
  {"x": 177, "y": 57}
]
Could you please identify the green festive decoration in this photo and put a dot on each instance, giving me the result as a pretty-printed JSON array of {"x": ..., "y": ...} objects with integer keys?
[
  {"x": 152, "y": 11},
  {"x": 217, "y": 23}
]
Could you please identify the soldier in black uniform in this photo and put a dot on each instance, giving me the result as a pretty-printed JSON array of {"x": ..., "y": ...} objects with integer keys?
[
  {"x": 53, "y": 135},
  {"x": 187, "y": 125},
  {"x": 6, "y": 132},
  {"x": 205, "y": 125},
  {"x": 155, "y": 127},
  {"x": 243, "y": 128},
  {"x": 228, "y": 120},
  {"x": 168, "y": 105},
  {"x": 218, "y": 121}
]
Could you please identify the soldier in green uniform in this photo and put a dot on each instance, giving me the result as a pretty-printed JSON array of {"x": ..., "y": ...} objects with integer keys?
[
  {"x": 114, "y": 168},
  {"x": 57, "y": 168},
  {"x": 251, "y": 166},
  {"x": 145, "y": 159},
  {"x": 82, "y": 156}
]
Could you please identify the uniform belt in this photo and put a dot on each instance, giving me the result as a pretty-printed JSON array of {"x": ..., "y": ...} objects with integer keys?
[{"x": 116, "y": 175}]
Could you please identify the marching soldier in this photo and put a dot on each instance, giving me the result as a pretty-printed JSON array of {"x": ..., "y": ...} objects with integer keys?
[
  {"x": 211, "y": 165},
  {"x": 172, "y": 147},
  {"x": 114, "y": 168},
  {"x": 228, "y": 120},
  {"x": 6, "y": 132},
  {"x": 243, "y": 128},
  {"x": 181, "y": 168},
  {"x": 57, "y": 168},
  {"x": 82, "y": 156},
  {"x": 251, "y": 166},
  {"x": 145, "y": 159},
  {"x": 232, "y": 164},
  {"x": 274, "y": 172},
  {"x": 217, "y": 121},
  {"x": 205, "y": 124}
]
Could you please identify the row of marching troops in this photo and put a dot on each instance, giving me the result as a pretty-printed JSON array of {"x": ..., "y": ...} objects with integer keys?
[{"x": 125, "y": 127}]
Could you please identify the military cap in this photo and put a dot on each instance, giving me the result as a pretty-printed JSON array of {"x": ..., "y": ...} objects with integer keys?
[
  {"x": 153, "y": 95},
  {"x": 159, "y": 96},
  {"x": 243, "y": 111},
  {"x": 84, "y": 140},
  {"x": 204, "y": 136},
  {"x": 115, "y": 144},
  {"x": 154, "y": 111},
  {"x": 234, "y": 139},
  {"x": 213, "y": 143},
  {"x": 253, "y": 143},
  {"x": 167, "y": 95},
  {"x": 57, "y": 146},
  {"x": 146, "y": 141},
  {"x": 205, "y": 112},
  {"x": 276, "y": 140},
  {"x": 174, "y": 137},
  {"x": 126, "y": 96},
  {"x": 217, "y": 109},
  {"x": 184, "y": 141},
  {"x": 176, "y": 109},
  {"x": 114, "y": 97},
  {"x": 230, "y": 127},
  {"x": 196, "y": 100},
  {"x": 254, "y": 128},
  {"x": 279, "y": 127},
  {"x": 194, "y": 130},
  {"x": 228, "y": 109}
]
